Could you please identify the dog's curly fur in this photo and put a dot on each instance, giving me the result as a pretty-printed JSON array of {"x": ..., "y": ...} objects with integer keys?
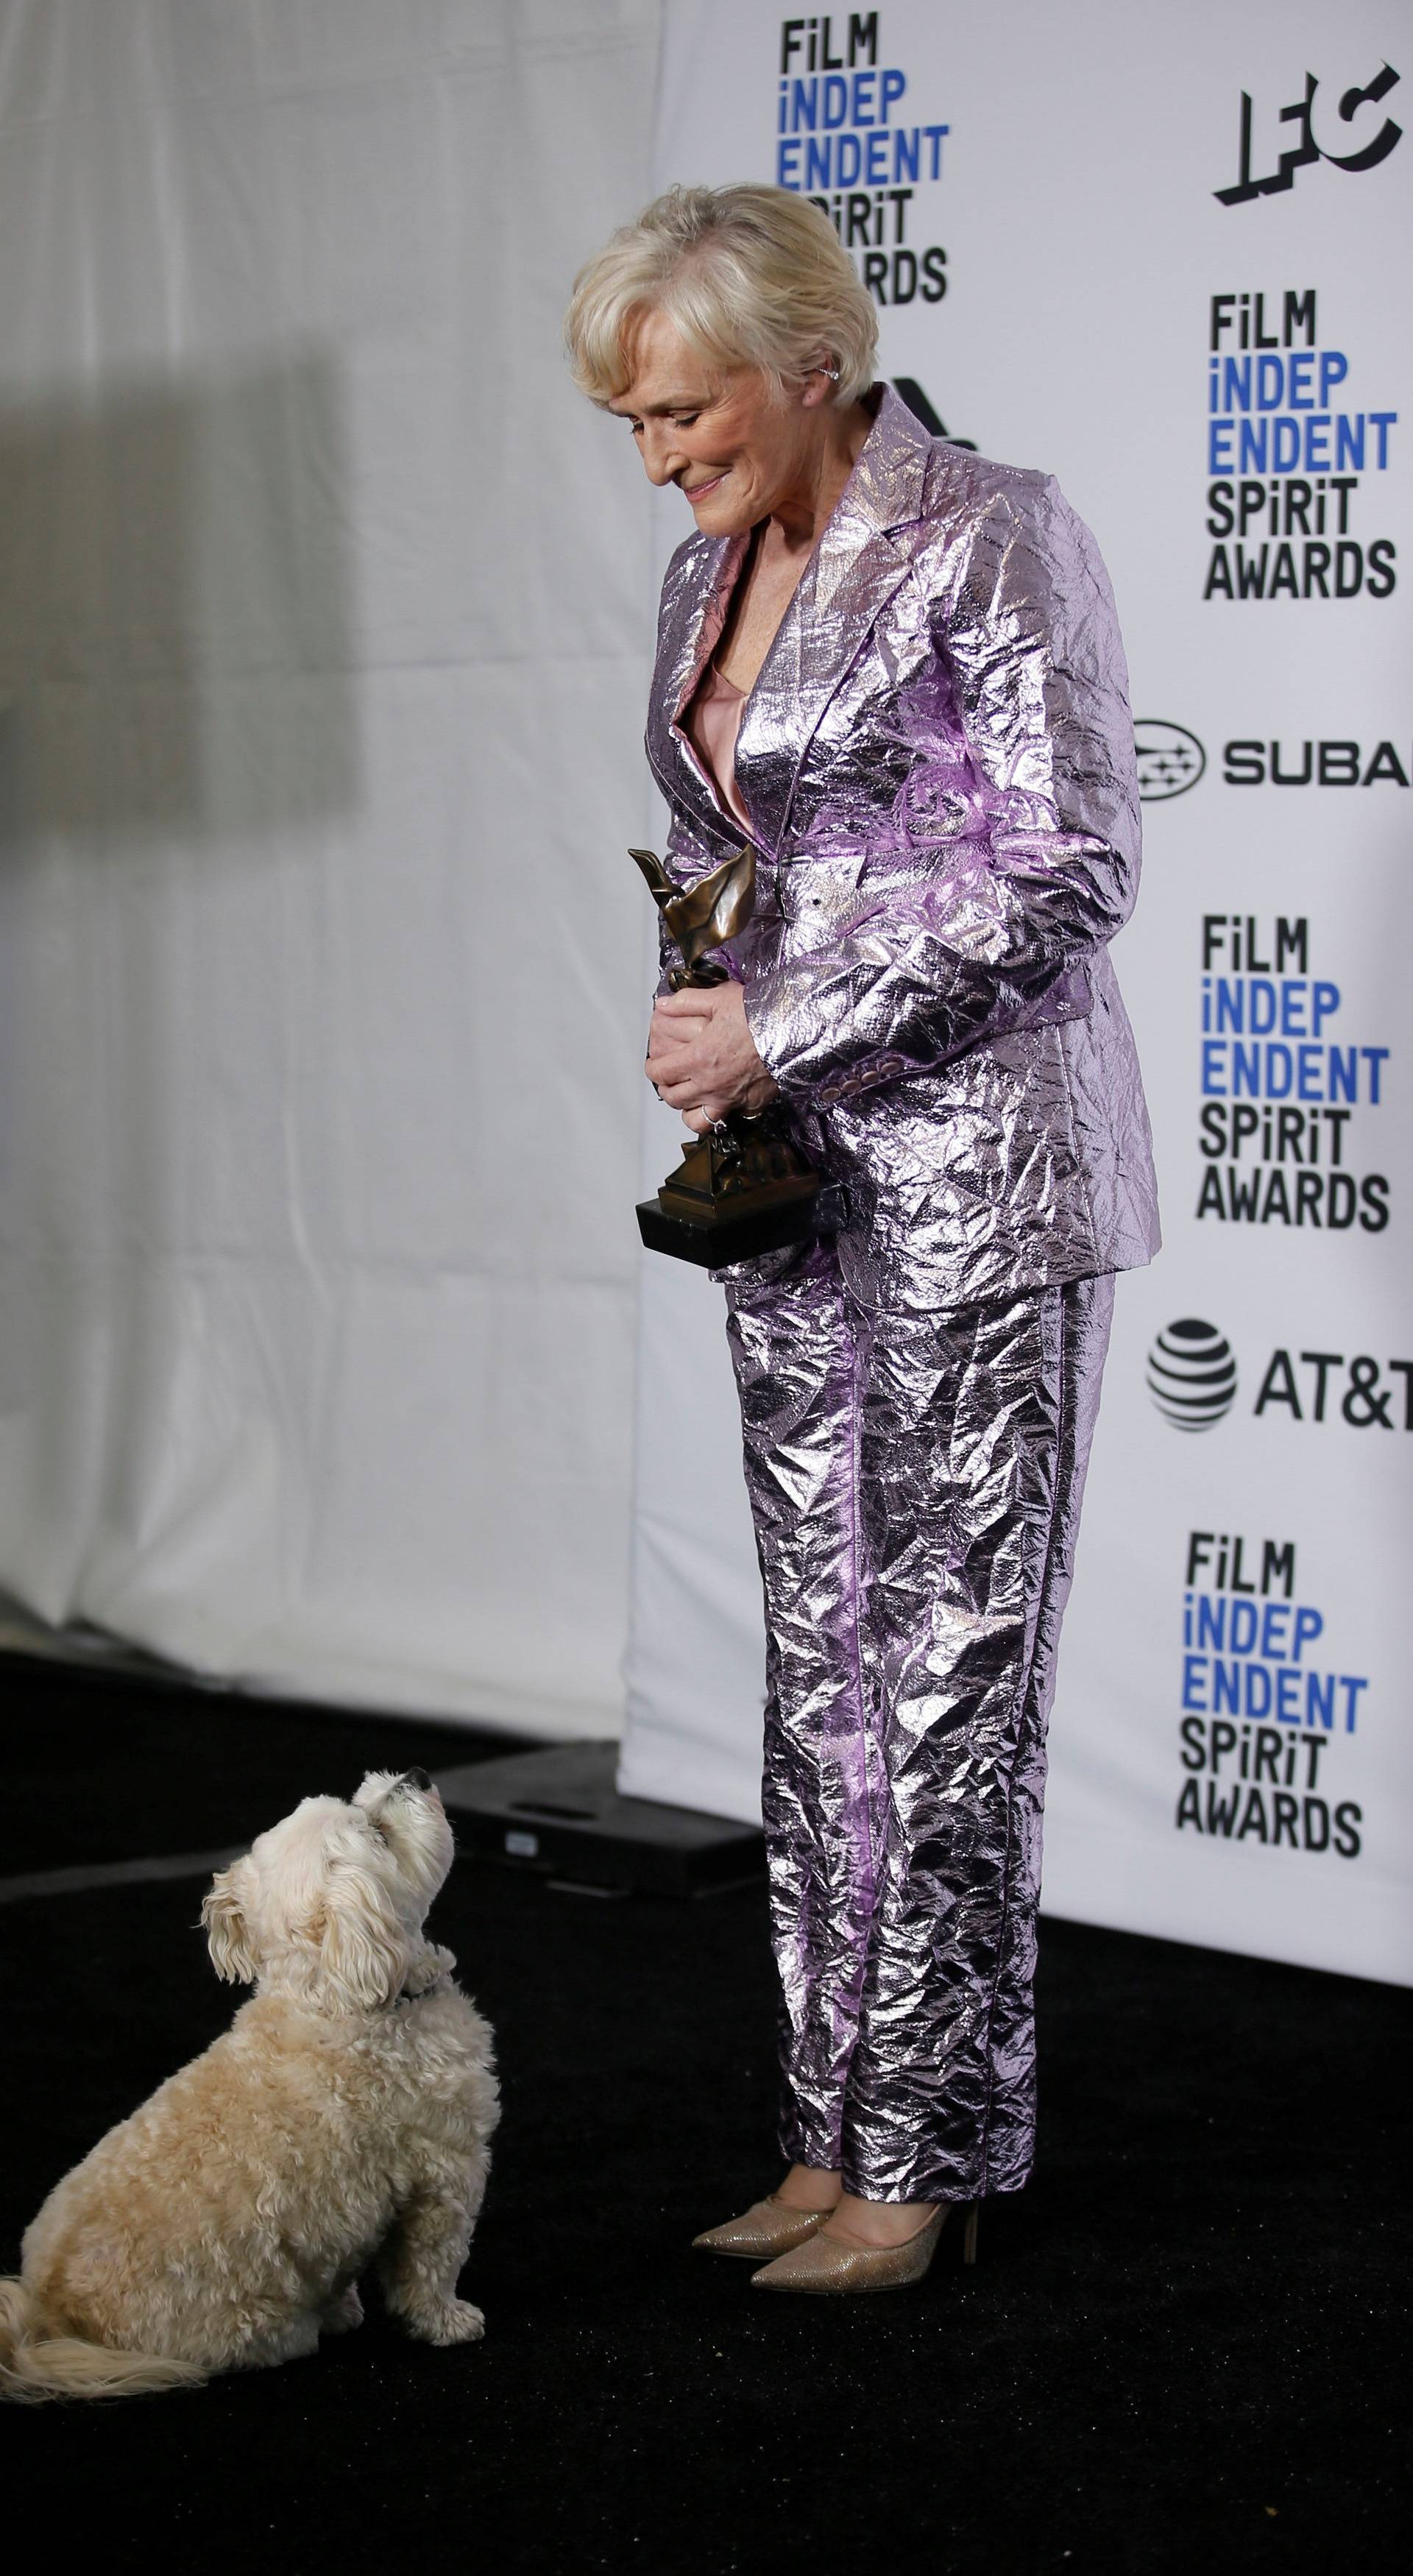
[{"x": 344, "y": 2118}]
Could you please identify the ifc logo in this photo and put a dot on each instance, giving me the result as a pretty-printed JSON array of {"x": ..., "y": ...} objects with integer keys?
[
  {"x": 1170, "y": 760},
  {"x": 1192, "y": 1374}
]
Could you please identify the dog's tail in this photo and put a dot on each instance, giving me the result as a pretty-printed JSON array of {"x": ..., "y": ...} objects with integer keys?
[{"x": 36, "y": 2364}]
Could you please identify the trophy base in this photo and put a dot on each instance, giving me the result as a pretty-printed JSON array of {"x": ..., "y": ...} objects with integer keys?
[{"x": 733, "y": 1233}]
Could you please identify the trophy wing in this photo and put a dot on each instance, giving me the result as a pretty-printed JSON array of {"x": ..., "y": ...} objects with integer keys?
[
  {"x": 659, "y": 883},
  {"x": 716, "y": 910}
]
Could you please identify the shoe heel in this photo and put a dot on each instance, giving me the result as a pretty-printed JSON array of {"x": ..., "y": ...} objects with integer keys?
[{"x": 969, "y": 2233}]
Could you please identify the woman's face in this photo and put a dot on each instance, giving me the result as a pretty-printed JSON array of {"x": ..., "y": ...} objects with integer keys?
[{"x": 724, "y": 437}]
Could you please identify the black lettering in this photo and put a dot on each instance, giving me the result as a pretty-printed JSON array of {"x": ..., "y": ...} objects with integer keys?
[
  {"x": 1292, "y": 940},
  {"x": 1317, "y": 1825},
  {"x": 1317, "y": 564},
  {"x": 1244, "y": 763},
  {"x": 904, "y": 276},
  {"x": 1383, "y": 554},
  {"x": 1298, "y": 497},
  {"x": 1211, "y": 1202},
  {"x": 1213, "y": 1123},
  {"x": 1342, "y": 1203},
  {"x": 1270, "y": 1745},
  {"x": 863, "y": 48},
  {"x": 1299, "y": 310},
  {"x": 1349, "y": 569},
  {"x": 1283, "y": 572},
  {"x": 1189, "y": 1812},
  {"x": 1347, "y": 1819},
  {"x": 1386, "y": 764},
  {"x": 1338, "y": 761},
  {"x": 1254, "y": 1819},
  {"x": 1286, "y": 1815},
  {"x": 1194, "y": 1755},
  {"x": 1220, "y": 521},
  {"x": 1278, "y": 1561},
  {"x": 1278, "y": 1386},
  {"x": 1291, "y": 778},
  {"x": 1321, "y": 1362},
  {"x": 934, "y": 276},
  {"x": 1373, "y": 1190},
  {"x": 875, "y": 274},
  {"x": 1221, "y": 1812}
]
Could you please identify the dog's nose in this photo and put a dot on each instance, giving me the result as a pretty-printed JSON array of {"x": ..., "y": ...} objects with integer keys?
[{"x": 418, "y": 1779}]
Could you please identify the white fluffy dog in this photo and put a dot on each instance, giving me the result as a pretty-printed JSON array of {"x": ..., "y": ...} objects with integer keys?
[{"x": 346, "y": 2115}]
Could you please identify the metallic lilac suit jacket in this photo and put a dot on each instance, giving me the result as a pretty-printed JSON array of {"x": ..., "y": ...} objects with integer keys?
[{"x": 938, "y": 762}]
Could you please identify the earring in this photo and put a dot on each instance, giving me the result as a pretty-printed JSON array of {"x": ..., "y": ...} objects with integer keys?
[{"x": 831, "y": 372}]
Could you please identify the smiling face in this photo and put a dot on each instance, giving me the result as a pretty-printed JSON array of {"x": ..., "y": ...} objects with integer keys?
[{"x": 739, "y": 450}]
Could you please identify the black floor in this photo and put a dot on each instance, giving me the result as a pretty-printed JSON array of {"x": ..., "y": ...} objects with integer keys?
[{"x": 1183, "y": 2347}]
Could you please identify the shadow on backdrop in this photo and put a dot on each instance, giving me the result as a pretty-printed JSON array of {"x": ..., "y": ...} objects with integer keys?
[{"x": 176, "y": 635}]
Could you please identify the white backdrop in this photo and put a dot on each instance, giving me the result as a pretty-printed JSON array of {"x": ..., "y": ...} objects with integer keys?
[
  {"x": 1232, "y": 1750},
  {"x": 324, "y": 608}
]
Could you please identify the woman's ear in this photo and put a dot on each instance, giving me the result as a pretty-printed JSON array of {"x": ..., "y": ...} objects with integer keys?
[
  {"x": 363, "y": 1954},
  {"x": 226, "y": 1934}
]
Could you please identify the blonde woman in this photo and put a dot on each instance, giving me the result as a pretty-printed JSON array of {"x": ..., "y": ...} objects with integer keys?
[{"x": 896, "y": 668}]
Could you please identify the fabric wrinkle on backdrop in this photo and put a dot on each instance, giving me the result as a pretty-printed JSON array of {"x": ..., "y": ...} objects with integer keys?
[{"x": 325, "y": 619}]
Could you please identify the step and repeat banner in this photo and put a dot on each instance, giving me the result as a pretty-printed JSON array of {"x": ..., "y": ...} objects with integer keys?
[{"x": 1163, "y": 254}]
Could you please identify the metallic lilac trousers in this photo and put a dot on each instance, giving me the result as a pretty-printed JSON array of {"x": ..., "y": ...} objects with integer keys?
[{"x": 916, "y": 1484}]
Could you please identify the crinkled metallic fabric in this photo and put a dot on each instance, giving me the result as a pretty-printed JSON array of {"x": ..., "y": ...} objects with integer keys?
[
  {"x": 938, "y": 763},
  {"x": 916, "y": 1488}
]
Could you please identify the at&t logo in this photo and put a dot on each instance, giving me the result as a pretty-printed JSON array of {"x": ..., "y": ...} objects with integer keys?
[{"x": 1192, "y": 1374}]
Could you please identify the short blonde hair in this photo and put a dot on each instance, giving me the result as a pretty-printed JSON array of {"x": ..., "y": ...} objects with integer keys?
[{"x": 751, "y": 276}]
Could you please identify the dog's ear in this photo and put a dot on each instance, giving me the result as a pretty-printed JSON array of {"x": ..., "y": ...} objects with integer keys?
[
  {"x": 226, "y": 1935},
  {"x": 363, "y": 1949}
]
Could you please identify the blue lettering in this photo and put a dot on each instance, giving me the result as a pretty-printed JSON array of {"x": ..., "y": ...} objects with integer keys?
[
  {"x": 1309, "y": 1624},
  {"x": 1344, "y": 1073},
  {"x": 1334, "y": 367}
]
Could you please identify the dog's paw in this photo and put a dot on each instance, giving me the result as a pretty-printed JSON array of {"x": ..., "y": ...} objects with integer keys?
[
  {"x": 344, "y": 2313},
  {"x": 457, "y": 2322}
]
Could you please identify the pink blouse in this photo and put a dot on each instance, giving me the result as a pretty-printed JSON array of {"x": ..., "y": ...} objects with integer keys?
[{"x": 711, "y": 722}]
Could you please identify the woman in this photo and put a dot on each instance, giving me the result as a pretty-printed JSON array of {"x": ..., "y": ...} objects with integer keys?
[{"x": 896, "y": 667}]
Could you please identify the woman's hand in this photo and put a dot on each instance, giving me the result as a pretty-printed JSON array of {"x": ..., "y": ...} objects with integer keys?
[{"x": 702, "y": 1057}]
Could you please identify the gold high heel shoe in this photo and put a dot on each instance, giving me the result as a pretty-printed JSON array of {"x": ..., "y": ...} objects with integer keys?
[
  {"x": 823, "y": 2266},
  {"x": 767, "y": 2227}
]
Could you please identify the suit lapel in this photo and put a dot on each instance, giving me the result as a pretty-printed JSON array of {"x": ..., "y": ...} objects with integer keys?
[
  {"x": 854, "y": 571},
  {"x": 694, "y": 618}
]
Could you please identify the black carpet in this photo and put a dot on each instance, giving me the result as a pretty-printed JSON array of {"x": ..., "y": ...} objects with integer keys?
[{"x": 1183, "y": 2348}]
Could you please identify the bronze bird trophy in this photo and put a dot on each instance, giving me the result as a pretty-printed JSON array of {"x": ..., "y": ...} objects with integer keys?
[{"x": 745, "y": 1186}]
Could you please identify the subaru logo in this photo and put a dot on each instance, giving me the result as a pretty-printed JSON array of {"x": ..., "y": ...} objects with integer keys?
[
  {"x": 1192, "y": 1374},
  {"x": 1170, "y": 759}
]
